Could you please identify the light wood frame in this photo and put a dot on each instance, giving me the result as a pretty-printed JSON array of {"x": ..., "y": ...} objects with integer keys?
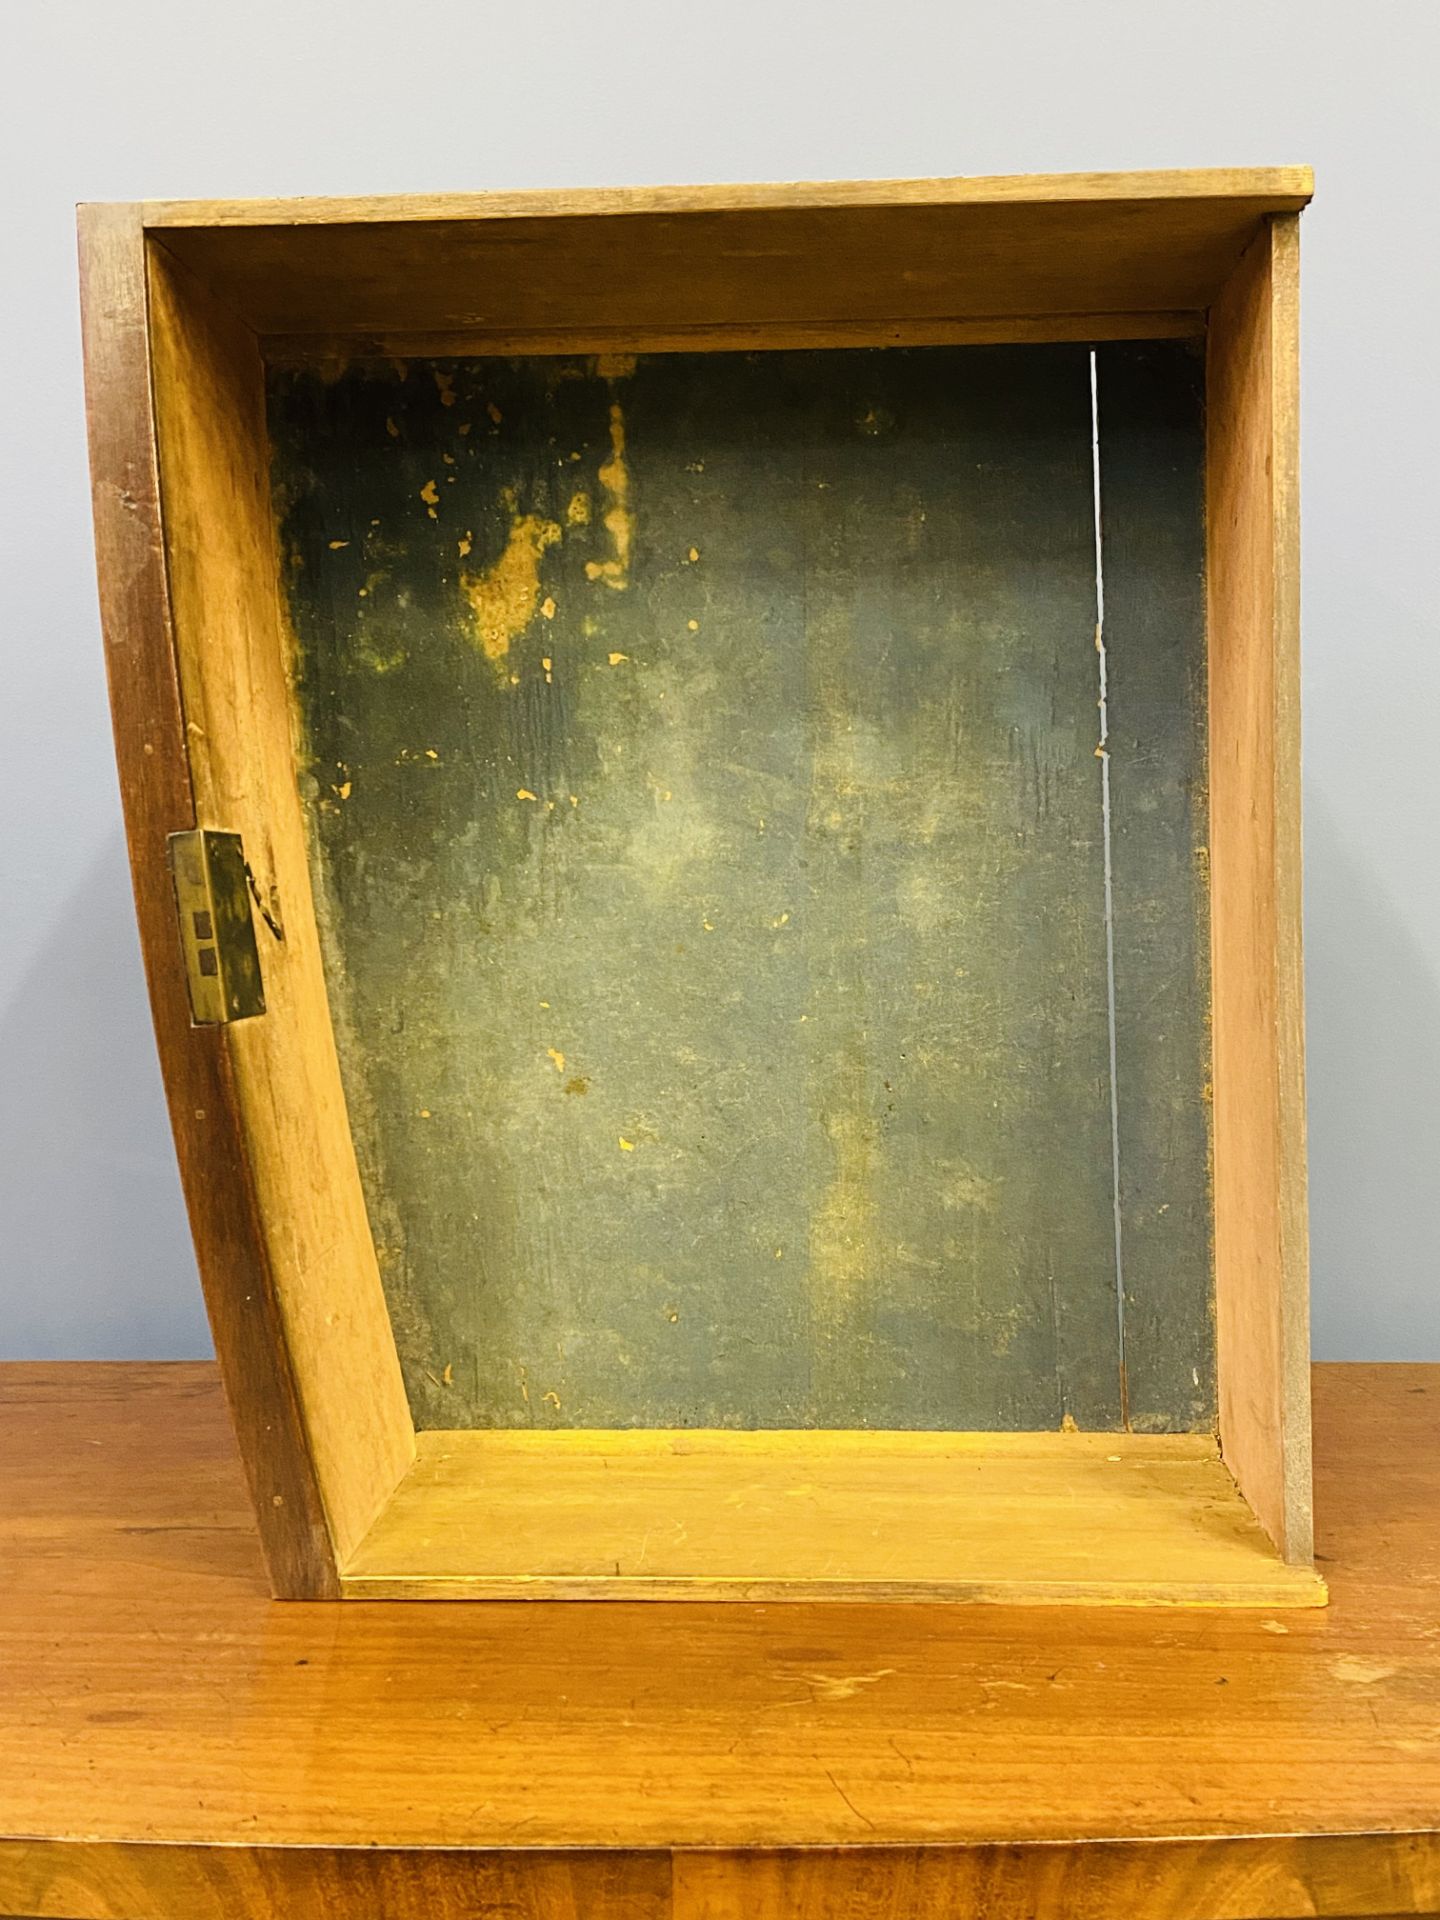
[{"x": 183, "y": 304}]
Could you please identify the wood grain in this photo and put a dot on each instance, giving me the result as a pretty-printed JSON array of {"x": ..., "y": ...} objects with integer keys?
[
  {"x": 163, "y": 1722},
  {"x": 1172, "y": 1880},
  {"x": 1167, "y": 1880},
  {"x": 214, "y": 468},
  {"x": 152, "y": 751},
  {"x": 1261, "y": 1246},
  {"x": 668, "y": 258},
  {"x": 113, "y": 1882},
  {"x": 1287, "y": 188},
  {"x": 336, "y": 350},
  {"x": 1024, "y": 1519}
]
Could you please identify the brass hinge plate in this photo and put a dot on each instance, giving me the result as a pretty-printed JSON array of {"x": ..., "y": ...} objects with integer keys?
[{"x": 212, "y": 898}]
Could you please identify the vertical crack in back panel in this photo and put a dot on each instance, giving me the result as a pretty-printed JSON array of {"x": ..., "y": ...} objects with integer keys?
[{"x": 699, "y": 753}]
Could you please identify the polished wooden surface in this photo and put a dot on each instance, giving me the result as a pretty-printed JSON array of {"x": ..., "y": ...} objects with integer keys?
[
  {"x": 231, "y": 648},
  {"x": 1262, "y": 1255},
  {"x": 1288, "y": 188},
  {"x": 158, "y": 788},
  {"x": 662, "y": 257},
  {"x": 1037, "y": 1519},
  {"x": 173, "y": 1741}
]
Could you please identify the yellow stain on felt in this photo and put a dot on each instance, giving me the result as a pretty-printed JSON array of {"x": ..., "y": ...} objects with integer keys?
[
  {"x": 391, "y": 428},
  {"x": 504, "y": 598},
  {"x": 626, "y": 1146},
  {"x": 547, "y": 607},
  {"x": 557, "y": 1058},
  {"x": 578, "y": 511},
  {"x": 524, "y": 793},
  {"x": 616, "y": 658},
  {"x": 336, "y": 545},
  {"x": 430, "y": 494},
  {"x": 619, "y": 520},
  {"x": 494, "y": 412},
  {"x": 445, "y": 385}
]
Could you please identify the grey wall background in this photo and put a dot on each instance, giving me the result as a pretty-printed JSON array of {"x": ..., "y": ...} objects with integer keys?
[{"x": 129, "y": 99}]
